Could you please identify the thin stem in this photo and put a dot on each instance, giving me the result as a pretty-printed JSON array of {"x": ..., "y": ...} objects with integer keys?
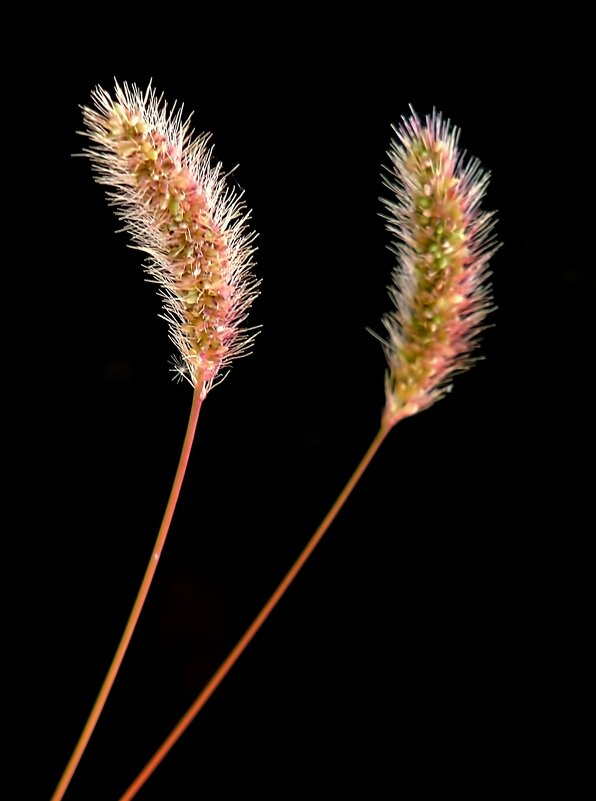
[
  {"x": 138, "y": 604},
  {"x": 254, "y": 627}
]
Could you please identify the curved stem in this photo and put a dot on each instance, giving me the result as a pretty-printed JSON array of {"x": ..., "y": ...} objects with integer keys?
[
  {"x": 254, "y": 627},
  {"x": 138, "y": 604}
]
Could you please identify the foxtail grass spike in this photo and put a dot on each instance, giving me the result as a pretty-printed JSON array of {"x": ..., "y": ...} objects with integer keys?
[
  {"x": 443, "y": 242},
  {"x": 179, "y": 210}
]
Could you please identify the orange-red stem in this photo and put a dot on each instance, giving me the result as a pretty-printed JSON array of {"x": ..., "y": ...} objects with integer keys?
[{"x": 138, "y": 604}]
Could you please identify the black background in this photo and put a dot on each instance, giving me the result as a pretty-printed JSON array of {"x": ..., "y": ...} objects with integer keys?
[{"x": 433, "y": 636}]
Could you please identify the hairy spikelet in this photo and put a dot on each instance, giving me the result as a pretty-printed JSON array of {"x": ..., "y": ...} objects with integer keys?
[
  {"x": 443, "y": 242},
  {"x": 177, "y": 208}
]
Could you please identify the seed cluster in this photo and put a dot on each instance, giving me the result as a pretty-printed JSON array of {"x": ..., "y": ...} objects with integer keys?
[
  {"x": 178, "y": 210},
  {"x": 443, "y": 246}
]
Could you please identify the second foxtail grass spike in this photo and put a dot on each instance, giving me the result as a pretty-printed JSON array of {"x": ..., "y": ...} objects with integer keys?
[{"x": 443, "y": 242}]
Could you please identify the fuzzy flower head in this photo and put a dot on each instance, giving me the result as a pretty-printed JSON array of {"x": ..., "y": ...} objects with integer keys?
[
  {"x": 443, "y": 243},
  {"x": 177, "y": 208}
]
